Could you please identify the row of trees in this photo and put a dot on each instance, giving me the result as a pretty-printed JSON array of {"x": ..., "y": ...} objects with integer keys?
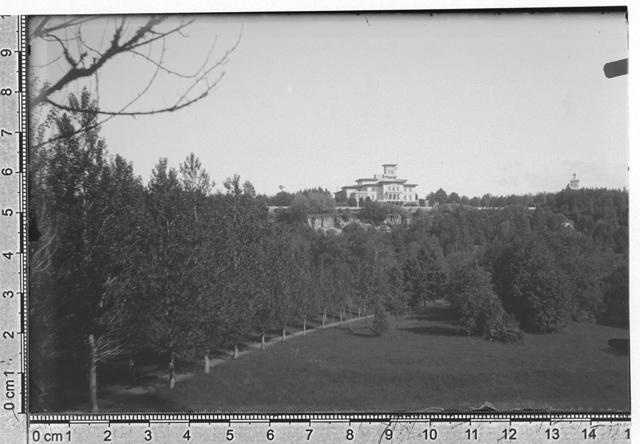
[
  {"x": 123, "y": 269},
  {"x": 601, "y": 214},
  {"x": 567, "y": 200}
]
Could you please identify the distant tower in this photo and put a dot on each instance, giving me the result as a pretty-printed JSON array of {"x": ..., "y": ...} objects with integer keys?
[
  {"x": 390, "y": 169},
  {"x": 574, "y": 183}
]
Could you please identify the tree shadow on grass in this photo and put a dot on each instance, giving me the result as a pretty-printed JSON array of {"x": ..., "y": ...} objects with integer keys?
[
  {"x": 360, "y": 332},
  {"x": 370, "y": 334},
  {"x": 139, "y": 402},
  {"x": 615, "y": 352},
  {"x": 436, "y": 330},
  {"x": 443, "y": 314}
]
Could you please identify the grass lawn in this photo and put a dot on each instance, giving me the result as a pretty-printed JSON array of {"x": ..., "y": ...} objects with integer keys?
[{"x": 421, "y": 363}]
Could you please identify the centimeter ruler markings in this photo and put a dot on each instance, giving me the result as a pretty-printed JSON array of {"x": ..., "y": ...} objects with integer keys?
[
  {"x": 339, "y": 428},
  {"x": 23, "y": 138},
  {"x": 17, "y": 426},
  {"x": 13, "y": 238}
]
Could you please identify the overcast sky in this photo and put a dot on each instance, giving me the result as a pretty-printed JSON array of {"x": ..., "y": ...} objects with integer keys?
[{"x": 472, "y": 103}]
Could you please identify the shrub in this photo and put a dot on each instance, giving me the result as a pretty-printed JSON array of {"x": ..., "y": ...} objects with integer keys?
[
  {"x": 479, "y": 309},
  {"x": 617, "y": 298},
  {"x": 586, "y": 267},
  {"x": 374, "y": 212},
  {"x": 532, "y": 286},
  {"x": 380, "y": 321},
  {"x": 503, "y": 327},
  {"x": 425, "y": 273},
  {"x": 541, "y": 290}
]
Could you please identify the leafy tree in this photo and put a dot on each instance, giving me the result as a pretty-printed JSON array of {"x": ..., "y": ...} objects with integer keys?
[
  {"x": 374, "y": 212},
  {"x": 282, "y": 199},
  {"x": 540, "y": 290},
  {"x": 321, "y": 202},
  {"x": 585, "y": 267},
  {"x": 380, "y": 321},
  {"x": 83, "y": 200},
  {"x": 248, "y": 189},
  {"x": 453, "y": 198},
  {"x": 616, "y": 297},
  {"x": 311, "y": 202},
  {"x": 479, "y": 309},
  {"x": 439, "y": 196},
  {"x": 195, "y": 181},
  {"x": 425, "y": 273},
  {"x": 300, "y": 207},
  {"x": 487, "y": 200},
  {"x": 240, "y": 221},
  {"x": 172, "y": 269},
  {"x": 395, "y": 300}
]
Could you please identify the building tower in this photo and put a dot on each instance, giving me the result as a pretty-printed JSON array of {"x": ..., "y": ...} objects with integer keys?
[
  {"x": 390, "y": 170},
  {"x": 574, "y": 183}
]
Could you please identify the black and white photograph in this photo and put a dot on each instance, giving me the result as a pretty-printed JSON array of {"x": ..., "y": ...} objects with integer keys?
[{"x": 384, "y": 211}]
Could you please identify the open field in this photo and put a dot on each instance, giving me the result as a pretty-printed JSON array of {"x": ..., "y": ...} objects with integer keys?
[{"x": 423, "y": 362}]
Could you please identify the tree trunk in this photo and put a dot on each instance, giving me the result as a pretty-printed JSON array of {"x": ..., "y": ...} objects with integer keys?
[
  {"x": 207, "y": 363},
  {"x": 172, "y": 371},
  {"x": 366, "y": 322},
  {"x": 304, "y": 326},
  {"x": 262, "y": 343},
  {"x": 132, "y": 372},
  {"x": 359, "y": 312},
  {"x": 284, "y": 334},
  {"x": 93, "y": 383},
  {"x": 236, "y": 352},
  {"x": 324, "y": 318},
  {"x": 341, "y": 313}
]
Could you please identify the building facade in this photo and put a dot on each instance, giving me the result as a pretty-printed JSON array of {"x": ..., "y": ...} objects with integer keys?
[{"x": 385, "y": 187}]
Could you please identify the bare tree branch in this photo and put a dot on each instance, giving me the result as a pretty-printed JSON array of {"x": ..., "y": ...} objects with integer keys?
[
  {"x": 80, "y": 65},
  {"x": 175, "y": 73},
  {"x": 137, "y": 44},
  {"x": 44, "y": 65},
  {"x": 67, "y": 55},
  {"x": 115, "y": 48},
  {"x": 41, "y": 28},
  {"x": 168, "y": 109}
]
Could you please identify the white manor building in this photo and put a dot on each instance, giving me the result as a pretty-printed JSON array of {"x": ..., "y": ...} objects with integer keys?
[{"x": 385, "y": 187}]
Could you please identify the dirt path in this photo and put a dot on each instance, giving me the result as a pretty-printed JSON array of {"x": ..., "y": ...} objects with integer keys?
[
  {"x": 257, "y": 346},
  {"x": 161, "y": 378}
]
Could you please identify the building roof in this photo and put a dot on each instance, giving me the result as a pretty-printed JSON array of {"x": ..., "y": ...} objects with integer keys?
[
  {"x": 379, "y": 179},
  {"x": 392, "y": 181}
]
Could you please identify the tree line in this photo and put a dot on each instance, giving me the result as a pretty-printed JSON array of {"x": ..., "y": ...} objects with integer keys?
[{"x": 170, "y": 269}]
